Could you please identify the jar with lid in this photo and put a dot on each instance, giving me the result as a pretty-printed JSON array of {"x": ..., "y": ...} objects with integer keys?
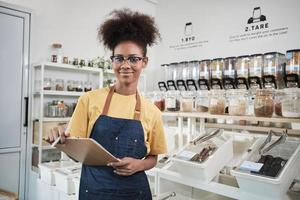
[
  {"x": 202, "y": 101},
  {"x": 187, "y": 101},
  {"x": 255, "y": 71},
  {"x": 229, "y": 73},
  {"x": 78, "y": 86},
  {"x": 70, "y": 85},
  {"x": 237, "y": 101},
  {"x": 173, "y": 100},
  {"x": 51, "y": 109},
  {"x": 292, "y": 68},
  {"x": 47, "y": 84},
  {"x": 87, "y": 86},
  {"x": 242, "y": 67},
  {"x": 291, "y": 103},
  {"x": 273, "y": 70},
  {"x": 263, "y": 103},
  {"x": 62, "y": 109},
  {"x": 204, "y": 74},
  {"x": 159, "y": 100},
  {"x": 216, "y": 67},
  {"x": 57, "y": 54},
  {"x": 59, "y": 84},
  {"x": 217, "y": 102},
  {"x": 279, "y": 96}
]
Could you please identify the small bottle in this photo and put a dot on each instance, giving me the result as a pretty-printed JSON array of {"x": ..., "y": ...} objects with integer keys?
[{"x": 57, "y": 54}]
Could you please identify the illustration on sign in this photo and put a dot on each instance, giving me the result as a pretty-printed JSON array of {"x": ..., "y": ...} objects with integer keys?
[
  {"x": 256, "y": 16},
  {"x": 188, "y": 29}
]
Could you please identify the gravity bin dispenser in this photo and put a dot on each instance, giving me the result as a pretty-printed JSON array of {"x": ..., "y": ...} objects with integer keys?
[
  {"x": 180, "y": 75},
  {"x": 229, "y": 73},
  {"x": 292, "y": 70},
  {"x": 204, "y": 75},
  {"x": 162, "y": 85},
  {"x": 242, "y": 66},
  {"x": 171, "y": 75},
  {"x": 192, "y": 75},
  {"x": 216, "y": 67},
  {"x": 255, "y": 71}
]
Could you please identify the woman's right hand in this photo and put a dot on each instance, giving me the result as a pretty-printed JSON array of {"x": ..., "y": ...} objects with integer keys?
[{"x": 57, "y": 131}]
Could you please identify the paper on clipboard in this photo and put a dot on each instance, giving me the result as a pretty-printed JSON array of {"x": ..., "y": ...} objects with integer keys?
[{"x": 86, "y": 151}]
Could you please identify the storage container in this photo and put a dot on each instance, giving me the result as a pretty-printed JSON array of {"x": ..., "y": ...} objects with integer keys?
[
  {"x": 291, "y": 103},
  {"x": 202, "y": 101},
  {"x": 255, "y": 71},
  {"x": 263, "y": 103},
  {"x": 229, "y": 73},
  {"x": 273, "y": 70},
  {"x": 237, "y": 101},
  {"x": 217, "y": 102},
  {"x": 292, "y": 68},
  {"x": 204, "y": 75},
  {"x": 173, "y": 100},
  {"x": 242, "y": 72},
  {"x": 208, "y": 169},
  {"x": 187, "y": 101},
  {"x": 264, "y": 187},
  {"x": 216, "y": 67}
]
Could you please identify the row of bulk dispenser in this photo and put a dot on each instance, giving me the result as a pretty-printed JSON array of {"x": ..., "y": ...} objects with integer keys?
[{"x": 270, "y": 70}]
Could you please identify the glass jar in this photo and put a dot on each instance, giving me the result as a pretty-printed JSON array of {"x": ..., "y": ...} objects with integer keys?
[
  {"x": 195, "y": 70},
  {"x": 216, "y": 68},
  {"x": 88, "y": 86},
  {"x": 187, "y": 101},
  {"x": 159, "y": 100},
  {"x": 273, "y": 70},
  {"x": 62, "y": 109},
  {"x": 263, "y": 103},
  {"x": 278, "y": 98},
  {"x": 47, "y": 84},
  {"x": 217, "y": 102},
  {"x": 292, "y": 68},
  {"x": 56, "y": 54},
  {"x": 59, "y": 85},
  {"x": 237, "y": 101},
  {"x": 78, "y": 86},
  {"x": 229, "y": 73},
  {"x": 291, "y": 103},
  {"x": 173, "y": 100},
  {"x": 70, "y": 85},
  {"x": 202, "y": 101}
]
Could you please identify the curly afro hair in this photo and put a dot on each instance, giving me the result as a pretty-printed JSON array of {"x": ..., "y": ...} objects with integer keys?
[{"x": 126, "y": 25}]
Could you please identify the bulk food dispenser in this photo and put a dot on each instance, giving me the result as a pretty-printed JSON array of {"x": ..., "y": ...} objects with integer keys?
[
  {"x": 171, "y": 75},
  {"x": 204, "y": 75},
  {"x": 162, "y": 85},
  {"x": 192, "y": 75},
  {"x": 229, "y": 73},
  {"x": 181, "y": 71},
  {"x": 255, "y": 71},
  {"x": 216, "y": 67},
  {"x": 273, "y": 70},
  {"x": 242, "y": 66},
  {"x": 292, "y": 70}
]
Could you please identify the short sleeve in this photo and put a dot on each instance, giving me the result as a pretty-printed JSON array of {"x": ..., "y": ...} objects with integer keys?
[
  {"x": 157, "y": 140},
  {"x": 78, "y": 125}
]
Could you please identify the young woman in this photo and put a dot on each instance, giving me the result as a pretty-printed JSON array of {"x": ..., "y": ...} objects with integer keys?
[{"x": 126, "y": 124}]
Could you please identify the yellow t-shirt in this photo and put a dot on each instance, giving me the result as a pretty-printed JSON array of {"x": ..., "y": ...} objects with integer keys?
[{"x": 89, "y": 108}]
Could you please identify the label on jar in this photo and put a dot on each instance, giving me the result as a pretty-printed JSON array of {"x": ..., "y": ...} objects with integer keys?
[
  {"x": 229, "y": 73},
  {"x": 204, "y": 74},
  {"x": 292, "y": 69},
  {"x": 171, "y": 102},
  {"x": 241, "y": 72},
  {"x": 216, "y": 74},
  {"x": 255, "y": 71}
]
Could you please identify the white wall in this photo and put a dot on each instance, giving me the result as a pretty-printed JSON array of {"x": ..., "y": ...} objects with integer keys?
[
  {"x": 214, "y": 21},
  {"x": 74, "y": 23}
]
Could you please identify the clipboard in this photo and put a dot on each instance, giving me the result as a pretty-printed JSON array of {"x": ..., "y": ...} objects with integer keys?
[{"x": 87, "y": 151}]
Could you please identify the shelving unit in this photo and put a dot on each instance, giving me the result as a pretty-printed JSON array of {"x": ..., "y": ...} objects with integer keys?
[
  {"x": 188, "y": 121},
  {"x": 40, "y": 96}
]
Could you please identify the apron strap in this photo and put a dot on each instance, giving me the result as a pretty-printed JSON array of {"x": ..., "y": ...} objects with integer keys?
[{"x": 137, "y": 110}]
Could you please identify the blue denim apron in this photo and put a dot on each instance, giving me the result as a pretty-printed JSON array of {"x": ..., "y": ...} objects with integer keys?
[{"x": 123, "y": 138}]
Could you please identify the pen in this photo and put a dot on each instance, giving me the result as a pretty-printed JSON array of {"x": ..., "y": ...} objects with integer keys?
[{"x": 55, "y": 142}]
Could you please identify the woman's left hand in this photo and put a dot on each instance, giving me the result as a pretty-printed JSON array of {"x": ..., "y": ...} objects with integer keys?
[{"x": 127, "y": 166}]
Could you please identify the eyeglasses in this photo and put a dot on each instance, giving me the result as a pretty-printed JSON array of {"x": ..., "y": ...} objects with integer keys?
[{"x": 120, "y": 60}]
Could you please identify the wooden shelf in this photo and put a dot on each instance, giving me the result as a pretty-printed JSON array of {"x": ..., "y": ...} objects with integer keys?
[
  {"x": 69, "y": 67},
  {"x": 247, "y": 118}
]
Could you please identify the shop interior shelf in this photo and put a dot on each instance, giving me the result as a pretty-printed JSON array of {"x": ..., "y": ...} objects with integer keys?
[
  {"x": 59, "y": 93},
  {"x": 68, "y": 67}
]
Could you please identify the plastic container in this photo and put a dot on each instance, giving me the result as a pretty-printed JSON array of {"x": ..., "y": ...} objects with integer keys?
[
  {"x": 255, "y": 71},
  {"x": 208, "y": 169},
  {"x": 202, "y": 101},
  {"x": 204, "y": 74},
  {"x": 263, "y": 103},
  {"x": 216, "y": 67},
  {"x": 237, "y": 102},
  {"x": 291, "y": 103},
  {"x": 187, "y": 101},
  {"x": 292, "y": 68},
  {"x": 158, "y": 99},
  {"x": 217, "y": 102},
  {"x": 229, "y": 73},
  {"x": 273, "y": 70},
  {"x": 47, "y": 169},
  {"x": 242, "y": 71},
  {"x": 64, "y": 179},
  {"x": 264, "y": 187}
]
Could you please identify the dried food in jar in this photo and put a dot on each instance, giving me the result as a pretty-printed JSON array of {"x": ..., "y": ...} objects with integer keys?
[
  {"x": 264, "y": 111},
  {"x": 59, "y": 85},
  {"x": 278, "y": 109},
  {"x": 263, "y": 103},
  {"x": 201, "y": 108}
]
